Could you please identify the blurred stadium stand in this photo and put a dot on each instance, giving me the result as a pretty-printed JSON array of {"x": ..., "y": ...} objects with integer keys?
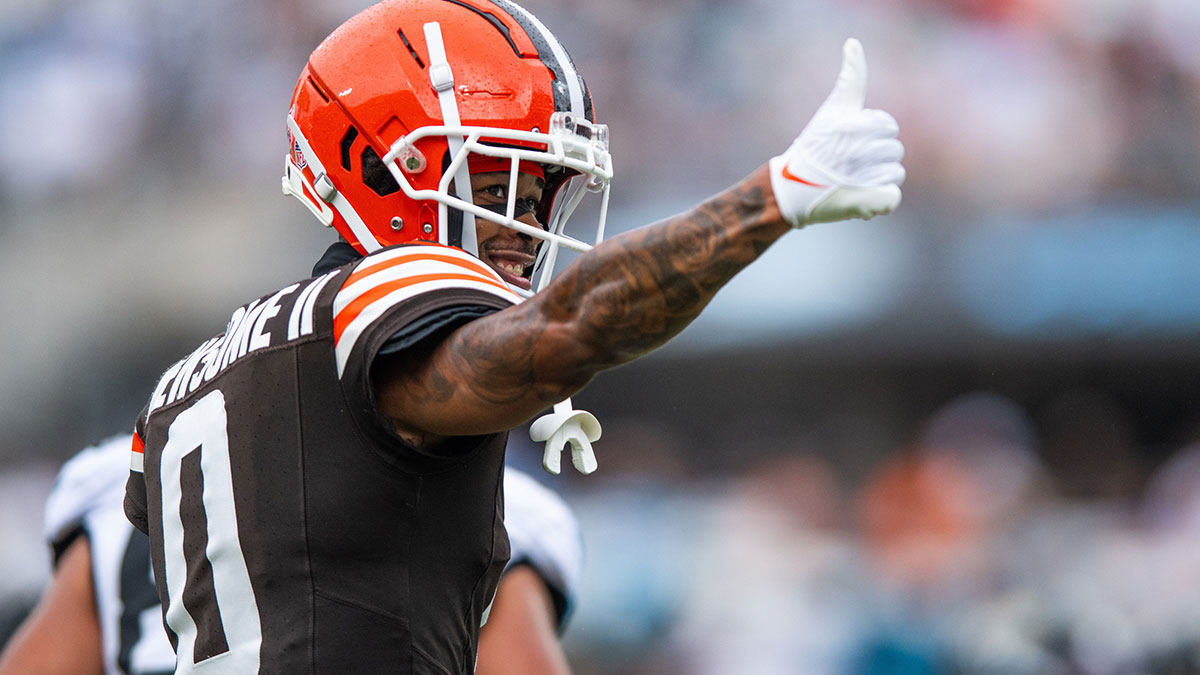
[{"x": 958, "y": 439}]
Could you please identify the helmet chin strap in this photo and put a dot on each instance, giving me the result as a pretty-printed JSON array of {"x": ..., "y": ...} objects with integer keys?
[{"x": 442, "y": 79}]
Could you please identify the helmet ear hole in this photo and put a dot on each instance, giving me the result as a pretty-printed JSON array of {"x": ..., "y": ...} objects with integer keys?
[
  {"x": 375, "y": 175},
  {"x": 347, "y": 141}
]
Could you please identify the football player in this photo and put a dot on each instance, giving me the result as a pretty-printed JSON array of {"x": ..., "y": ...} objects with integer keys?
[
  {"x": 321, "y": 482},
  {"x": 100, "y": 613}
]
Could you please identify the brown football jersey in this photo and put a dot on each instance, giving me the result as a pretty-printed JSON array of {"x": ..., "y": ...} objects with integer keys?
[{"x": 291, "y": 531}]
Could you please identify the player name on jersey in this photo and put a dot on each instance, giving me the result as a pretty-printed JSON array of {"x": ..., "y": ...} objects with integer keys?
[{"x": 257, "y": 325}]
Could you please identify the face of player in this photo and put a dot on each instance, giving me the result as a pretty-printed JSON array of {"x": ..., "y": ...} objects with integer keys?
[{"x": 505, "y": 250}]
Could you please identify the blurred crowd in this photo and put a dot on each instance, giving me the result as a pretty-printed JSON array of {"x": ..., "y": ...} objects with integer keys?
[
  {"x": 138, "y": 136},
  {"x": 962, "y": 552},
  {"x": 1004, "y": 104}
]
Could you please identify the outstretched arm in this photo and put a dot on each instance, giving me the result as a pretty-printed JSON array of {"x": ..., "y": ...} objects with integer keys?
[
  {"x": 618, "y": 301},
  {"x": 636, "y": 291}
]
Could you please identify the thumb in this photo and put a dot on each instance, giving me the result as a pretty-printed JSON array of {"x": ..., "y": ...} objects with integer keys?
[{"x": 850, "y": 90}]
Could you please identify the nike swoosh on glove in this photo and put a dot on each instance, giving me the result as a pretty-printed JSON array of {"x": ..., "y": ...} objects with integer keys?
[{"x": 846, "y": 162}]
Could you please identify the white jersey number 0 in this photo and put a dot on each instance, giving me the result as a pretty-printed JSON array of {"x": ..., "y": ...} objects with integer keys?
[{"x": 213, "y": 637}]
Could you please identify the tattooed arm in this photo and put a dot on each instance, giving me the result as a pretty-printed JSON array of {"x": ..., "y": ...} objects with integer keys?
[
  {"x": 615, "y": 303},
  {"x": 631, "y": 294}
]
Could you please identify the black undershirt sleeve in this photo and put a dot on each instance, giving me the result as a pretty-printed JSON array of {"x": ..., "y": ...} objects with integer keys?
[{"x": 432, "y": 323}]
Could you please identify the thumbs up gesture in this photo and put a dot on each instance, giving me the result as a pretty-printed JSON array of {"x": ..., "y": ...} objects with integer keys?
[{"x": 846, "y": 161}]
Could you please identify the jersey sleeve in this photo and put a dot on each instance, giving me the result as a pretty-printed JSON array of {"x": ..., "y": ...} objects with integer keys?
[
  {"x": 396, "y": 290},
  {"x": 397, "y": 297},
  {"x": 544, "y": 534},
  {"x": 135, "y": 485},
  {"x": 93, "y": 478}
]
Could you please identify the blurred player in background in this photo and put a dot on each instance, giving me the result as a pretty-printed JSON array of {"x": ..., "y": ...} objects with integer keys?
[
  {"x": 329, "y": 467},
  {"x": 100, "y": 613}
]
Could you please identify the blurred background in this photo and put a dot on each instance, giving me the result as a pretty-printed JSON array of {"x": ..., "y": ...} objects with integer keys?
[{"x": 963, "y": 438}]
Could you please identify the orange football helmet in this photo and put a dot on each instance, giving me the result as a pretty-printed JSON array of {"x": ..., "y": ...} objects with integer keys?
[{"x": 391, "y": 105}]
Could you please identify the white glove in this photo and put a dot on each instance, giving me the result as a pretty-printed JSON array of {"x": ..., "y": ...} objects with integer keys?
[{"x": 846, "y": 162}]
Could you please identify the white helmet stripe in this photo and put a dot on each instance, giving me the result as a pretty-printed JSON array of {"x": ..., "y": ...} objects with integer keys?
[{"x": 442, "y": 79}]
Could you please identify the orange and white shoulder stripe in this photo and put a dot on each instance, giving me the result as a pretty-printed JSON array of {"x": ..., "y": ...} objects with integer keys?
[
  {"x": 137, "y": 454},
  {"x": 384, "y": 280}
]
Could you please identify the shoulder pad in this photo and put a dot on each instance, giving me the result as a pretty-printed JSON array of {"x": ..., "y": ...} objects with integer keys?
[
  {"x": 542, "y": 532},
  {"x": 95, "y": 476}
]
